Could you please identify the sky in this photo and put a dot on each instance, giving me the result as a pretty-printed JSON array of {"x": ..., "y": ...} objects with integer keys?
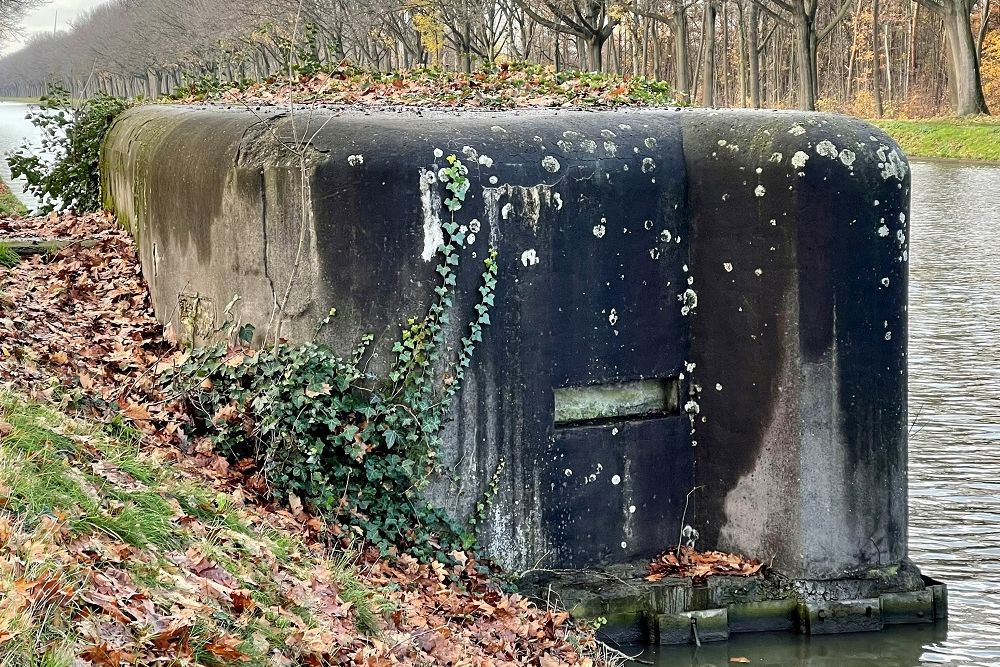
[{"x": 58, "y": 12}]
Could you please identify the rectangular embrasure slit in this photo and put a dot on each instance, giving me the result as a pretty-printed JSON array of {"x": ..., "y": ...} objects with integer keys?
[{"x": 639, "y": 399}]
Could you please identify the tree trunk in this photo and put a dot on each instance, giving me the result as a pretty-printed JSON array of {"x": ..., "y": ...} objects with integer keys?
[
  {"x": 708, "y": 72},
  {"x": 754, "y": 55},
  {"x": 876, "y": 62},
  {"x": 968, "y": 87},
  {"x": 805, "y": 62},
  {"x": 678, "y": 25}
]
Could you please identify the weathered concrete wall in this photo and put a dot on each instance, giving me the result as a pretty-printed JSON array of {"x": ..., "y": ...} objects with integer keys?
[{"x": 754, "y": 262}]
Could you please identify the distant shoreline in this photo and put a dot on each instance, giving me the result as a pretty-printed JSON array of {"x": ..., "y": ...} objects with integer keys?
[{"x": 971, "y": 140}]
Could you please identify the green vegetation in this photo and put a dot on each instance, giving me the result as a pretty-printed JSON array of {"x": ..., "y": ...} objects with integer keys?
[
  {"x": 10, "y": 204},
  {"x": 8, "y": 257},
  {"x": 74, "y": 135},
  {"x": 92, "y": 524},
  {"x": 967, "y": 139},
  {"x": 355, "y": 448},
  {"x": 507, "y": 86}
]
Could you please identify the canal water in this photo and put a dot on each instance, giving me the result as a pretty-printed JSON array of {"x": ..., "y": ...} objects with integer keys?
[
  {"x": 954, "y": 441},
  {"x": 14, "y": 128},
  {"x": 954, "y": 405}
]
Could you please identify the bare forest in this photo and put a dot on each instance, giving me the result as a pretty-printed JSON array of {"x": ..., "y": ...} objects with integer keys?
[{"x": 867, "y": 57}]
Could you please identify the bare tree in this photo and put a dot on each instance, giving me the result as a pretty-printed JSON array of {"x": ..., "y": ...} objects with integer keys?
[
  {"x": 966, "y": 81},
  {"x": 11, "y": 14}
]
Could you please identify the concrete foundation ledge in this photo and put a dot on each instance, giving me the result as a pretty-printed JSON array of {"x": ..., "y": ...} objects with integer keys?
[
  {"x": 699, "y": 324},
  {"x": 679, "y": 611}
]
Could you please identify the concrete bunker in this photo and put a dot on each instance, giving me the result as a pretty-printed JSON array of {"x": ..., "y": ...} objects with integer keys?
[{"x": 686, "y": 300}]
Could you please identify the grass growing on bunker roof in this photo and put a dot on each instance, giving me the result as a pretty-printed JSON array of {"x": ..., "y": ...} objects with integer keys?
[{"x": 508, "y": 86}]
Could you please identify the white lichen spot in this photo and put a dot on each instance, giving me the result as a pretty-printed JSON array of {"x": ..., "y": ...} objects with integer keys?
[
  {"x": 876, "y": 203},
  {"x": 613, "y": 317},
  {"x": 438, "y": 153},
  {"x": 827, "y": 149},
  {"x": 616, "y": 480},
  {"x": 565, "y": 146},
  {"x": 725, "y": 196},
  {"x": 848, "y": 157},
  {"x": 902, "y": 218},
  {"x": 894, "y": 166},
  {"x": 611, "y": 149},
  {"x": 665, "y": 236},
  {"x": 498, "y": 129},
  {"x": 507, "y": 209},
  {"x": 692, "y": 407},
  {"x": 883, "y": 231},
  {"x": 494, "y": 180},
  {"x": 529, "y": 258},
  {"x": 557, "y": 198},
  {"x": 718, "y": 386},
  {"x": 728, "y": 267},
  {"x": 600, "y": 230},
  {"x": 758, "y": 170},
  {"x": 568, "y": 472},
  {"x": 648, "y": 165},
  {"x": 550, "y": 164},
  {"x": 901, "y": 236},
  {"x": 631, "y": 509},
  {"x": 654, "y": 253},
  {"x": 759, "y": 191},
  {"x": 624, "y": 545},
  {"x": 430, "y": 204},
  {"x": 723, "y": 142},
  {"x": 648, "y": 224},
  {"x": 799, "y": 159},
  {"x": 486, "y": 161},
  {"x": 796, "y": 130},
  {"x": 624, "y": 126},
  {"x": 888, "y": 335},
  {"x": 689, "y": 299},
  {"x": 758, "y": 272},
  {"x": 650, "y": 142},
  {"x": 689, "y": 366},
  {"x": 589, "y": 145},
  {"x": 355, "y": 160},
  {"x": 614, "y": 431},
  {"x": 776, "y": 157},
  {"x": 470, "y": 239},
  {"x": 608, "y": 134},
  {"x": 885, "y": 282},
  {"x": 475, "y": 226},
  {"x": 470, "y": 152}
]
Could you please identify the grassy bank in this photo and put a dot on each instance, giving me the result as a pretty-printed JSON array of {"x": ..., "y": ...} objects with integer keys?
[
  {"x": 966, "y": 139},
  {"x": 21, "y": 100},
  {"x": 9, "y": 204}
]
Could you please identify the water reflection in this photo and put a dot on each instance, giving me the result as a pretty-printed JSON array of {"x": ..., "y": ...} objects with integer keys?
[
  {"x": 954, "y": 376},
  {"x": 898, "y": 647}
]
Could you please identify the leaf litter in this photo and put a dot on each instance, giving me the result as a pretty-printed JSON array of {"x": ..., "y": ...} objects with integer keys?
[
  {"x": 123, "y": 544},
  {"x": 699, "y": 565}
]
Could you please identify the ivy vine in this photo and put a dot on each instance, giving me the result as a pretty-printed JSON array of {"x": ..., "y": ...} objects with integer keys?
[{"x": 357, "y": 449}]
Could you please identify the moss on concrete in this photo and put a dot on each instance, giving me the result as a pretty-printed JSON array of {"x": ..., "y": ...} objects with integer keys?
[{"x": 966, "y": 139}]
